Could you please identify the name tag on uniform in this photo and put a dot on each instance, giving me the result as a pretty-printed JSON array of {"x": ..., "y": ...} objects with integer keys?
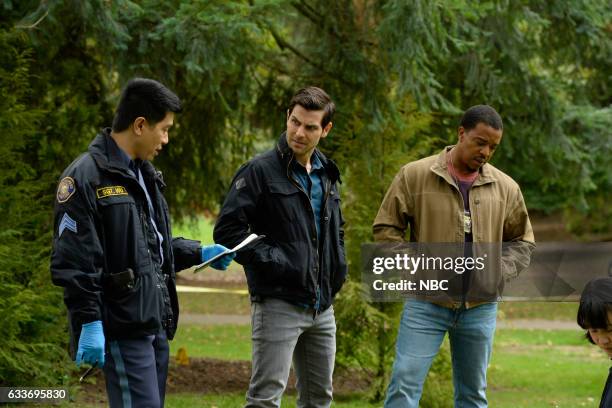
[
  {"x": 111, "y": 191},
  {"x": 467, "y": 222}
]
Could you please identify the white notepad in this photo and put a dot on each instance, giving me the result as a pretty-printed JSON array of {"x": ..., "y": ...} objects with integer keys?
[{"x": 248, "y": 240}]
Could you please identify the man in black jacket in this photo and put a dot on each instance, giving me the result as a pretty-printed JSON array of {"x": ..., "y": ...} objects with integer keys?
[
  {"x": 113, "y": 250},
  {"x": 289, "y": 194}
]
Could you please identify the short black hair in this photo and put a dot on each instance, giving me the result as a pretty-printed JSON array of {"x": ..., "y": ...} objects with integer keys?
[
  {"x": 313, "y": 98},
  {"x": 481, "y": 114},
  {"x": 595, "y": 302},
  {"x": 147, "y": 98}
]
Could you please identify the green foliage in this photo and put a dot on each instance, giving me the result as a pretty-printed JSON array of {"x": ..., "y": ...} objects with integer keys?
[
  {"x": 365, "y": 336},
  {"x": 587, "y": 128},
  {"x": 31, "y": 318},
  {"x": 205, "y": 52}
]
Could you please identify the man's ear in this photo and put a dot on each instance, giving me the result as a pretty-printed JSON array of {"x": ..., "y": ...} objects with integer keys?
[
  {"x": 138, "y": 124},
  {"x": 460, "y": 134},
  {"x": 288, "y": 113},
  {"x": 326, "y": 129}
]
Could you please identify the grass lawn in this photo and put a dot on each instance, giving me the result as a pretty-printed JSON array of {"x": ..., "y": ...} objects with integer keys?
[
  {"x": 529, "y": 368},
  {"x": 538, "y": 310},
  {"x": 237, "y": 400},
  {"x": 215, "y": 303},
  {"x": 545, "y": 368},
  {"x": 226, "y": 342}
]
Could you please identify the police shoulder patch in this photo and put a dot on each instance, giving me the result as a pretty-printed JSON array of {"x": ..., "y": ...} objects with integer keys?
[
  {"x": 65, "y": 189},
  {"x": 111, "y": 191}
]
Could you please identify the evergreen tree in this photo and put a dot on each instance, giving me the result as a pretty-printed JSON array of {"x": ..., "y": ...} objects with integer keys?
[{"x": 32, "y": 319}]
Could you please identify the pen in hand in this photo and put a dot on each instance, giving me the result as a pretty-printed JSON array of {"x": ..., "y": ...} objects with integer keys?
[{"x": 89, "y": 370}]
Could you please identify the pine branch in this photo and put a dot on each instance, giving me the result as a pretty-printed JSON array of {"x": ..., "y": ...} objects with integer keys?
[{"x": 282, "y": 43}]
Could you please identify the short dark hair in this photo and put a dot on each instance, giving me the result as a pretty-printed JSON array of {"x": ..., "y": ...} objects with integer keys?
[
  {"x": 595, "y": 302},
  {"x": 147, "y": 98},
  {"x": 313, "y": 98},
  {"x": 481, "y": 114}
]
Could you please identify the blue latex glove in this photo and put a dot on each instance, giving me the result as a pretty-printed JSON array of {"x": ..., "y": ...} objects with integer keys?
[
  {"x": 208, "y": 251},
  {"x": 91, "y": 344}
]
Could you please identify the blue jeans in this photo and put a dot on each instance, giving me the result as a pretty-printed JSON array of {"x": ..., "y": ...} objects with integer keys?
[{"x": 422, "y": 330}]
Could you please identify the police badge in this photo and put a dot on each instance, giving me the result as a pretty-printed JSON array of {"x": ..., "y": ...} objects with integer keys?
[{"x": 65, "y": 190}]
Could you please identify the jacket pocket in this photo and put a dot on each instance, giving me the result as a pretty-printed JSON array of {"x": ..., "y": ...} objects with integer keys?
[
  {"x": 339, "y": 270},
  {"x": 285, "y": 201},
  {"x": 133, "y": 310},
  {"x": 123, "y": 239},
  {"x": 292, "y": 261}
]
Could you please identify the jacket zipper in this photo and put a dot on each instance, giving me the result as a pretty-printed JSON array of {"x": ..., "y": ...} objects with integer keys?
[
  {"x": 145, "y": 230},
  {"x": 323, "y": 234},
  {"x": 317, "y": 288}
]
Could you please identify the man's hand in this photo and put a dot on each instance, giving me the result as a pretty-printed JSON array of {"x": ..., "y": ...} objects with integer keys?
[
  {"x": 222, "y": 263},
  {"x": 91, "y": 344}
]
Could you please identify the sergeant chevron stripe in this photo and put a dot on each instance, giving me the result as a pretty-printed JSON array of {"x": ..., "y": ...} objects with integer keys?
[{"x": 67, "y": 223}]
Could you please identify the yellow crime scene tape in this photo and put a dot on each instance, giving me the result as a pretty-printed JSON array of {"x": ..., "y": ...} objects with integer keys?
[{"x": 197, "y": 289}]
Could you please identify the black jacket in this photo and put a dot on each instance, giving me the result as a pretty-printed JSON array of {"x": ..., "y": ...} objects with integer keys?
[
  {"x": 291, "y": 263},
  {"x": 105, "y": 225}
]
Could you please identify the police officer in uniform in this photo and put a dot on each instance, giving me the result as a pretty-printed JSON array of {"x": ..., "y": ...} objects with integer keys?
[{"x": 113, "y": 250}]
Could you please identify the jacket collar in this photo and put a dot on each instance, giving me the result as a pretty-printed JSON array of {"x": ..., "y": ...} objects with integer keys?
[
  {"x": 285, "y": 154},
  {"x": 440, "y": 167},
  {"x": 108, "y": 156}
]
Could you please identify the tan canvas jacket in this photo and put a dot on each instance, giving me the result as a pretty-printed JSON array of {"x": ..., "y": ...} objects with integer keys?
[{"x": 425, "y": 199}]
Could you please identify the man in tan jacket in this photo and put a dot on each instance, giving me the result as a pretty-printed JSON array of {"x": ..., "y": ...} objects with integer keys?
[{"x": 454, "y": 197}]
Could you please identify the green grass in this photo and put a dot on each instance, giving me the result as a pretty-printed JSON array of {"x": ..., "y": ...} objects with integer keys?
[
  {"x": 200, "y": 228},
  {"x": 558, "y": 362},
  {"x": 239, "y": 304},
  {"x": 539, "y": 368},
  {"x": 226, "y": 342},
  {"x": 215, "y": 303},
  {"x": 526, "y": 337},
  {"x": 538, "y": 310},
  {"x": 238, "y": 400}
]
